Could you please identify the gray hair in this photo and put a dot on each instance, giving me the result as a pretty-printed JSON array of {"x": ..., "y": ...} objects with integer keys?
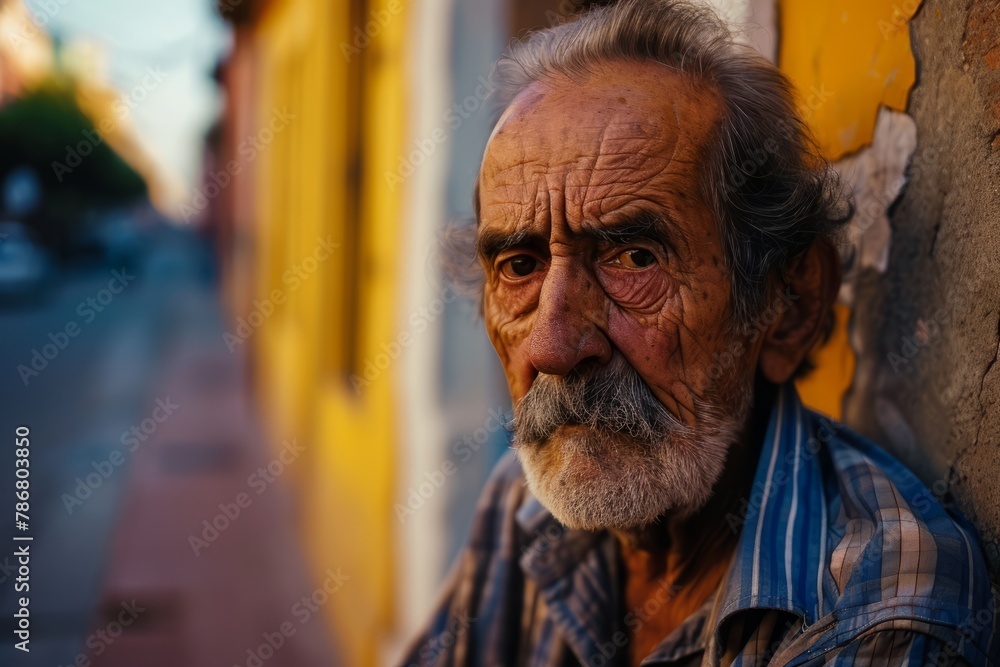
[{"x": 772, "y": 194}]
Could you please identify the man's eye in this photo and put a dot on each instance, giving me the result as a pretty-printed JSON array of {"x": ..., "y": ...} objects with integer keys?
[
  {"x": 519, "y": 266},
  {"x": 636, "y": 258}
]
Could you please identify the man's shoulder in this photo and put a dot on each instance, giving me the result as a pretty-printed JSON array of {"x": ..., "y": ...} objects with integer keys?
[
  {"x": 874, "y": 493},
  {"x": 504, "y": 493},
  {"x": 505, "y": 484},
  {"x": 898, "y": 555}
]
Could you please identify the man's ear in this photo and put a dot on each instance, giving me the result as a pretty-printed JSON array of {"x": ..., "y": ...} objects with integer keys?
[{"x": 809, "y": 290}]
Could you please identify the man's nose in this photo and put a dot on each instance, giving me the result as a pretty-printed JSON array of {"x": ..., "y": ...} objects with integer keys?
[{"x": 565, "y": 330}]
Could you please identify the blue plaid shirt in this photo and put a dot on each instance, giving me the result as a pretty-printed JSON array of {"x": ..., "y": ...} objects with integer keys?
[{"x": 844, "y": 558}]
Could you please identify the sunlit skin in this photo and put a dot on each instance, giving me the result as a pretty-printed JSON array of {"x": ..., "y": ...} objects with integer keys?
[
  {"x": 595, "y": 237},
  {"x": 567, "y": 160}
]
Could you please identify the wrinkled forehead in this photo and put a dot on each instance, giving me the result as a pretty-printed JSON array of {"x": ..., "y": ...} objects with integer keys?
[{"x": 640, "y": 116}]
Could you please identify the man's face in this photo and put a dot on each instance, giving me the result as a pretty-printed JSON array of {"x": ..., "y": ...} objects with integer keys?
[{"x": 606, "y": 294}]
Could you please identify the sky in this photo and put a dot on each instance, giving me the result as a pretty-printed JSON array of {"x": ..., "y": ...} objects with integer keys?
[{"x": 179, "y": 40}]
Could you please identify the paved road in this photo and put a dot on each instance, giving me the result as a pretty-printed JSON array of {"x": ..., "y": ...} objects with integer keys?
[{"x": 111, "y": 512}]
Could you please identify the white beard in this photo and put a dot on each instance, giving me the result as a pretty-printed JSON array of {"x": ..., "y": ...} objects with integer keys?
[{"x": 593, "y": 478}]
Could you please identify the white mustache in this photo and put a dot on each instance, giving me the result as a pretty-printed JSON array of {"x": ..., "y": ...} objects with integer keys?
[{"x": 610, "y": 399}]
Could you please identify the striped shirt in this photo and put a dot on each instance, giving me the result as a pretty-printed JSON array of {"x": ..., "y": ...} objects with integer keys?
[{"x": 844, "y": 558}]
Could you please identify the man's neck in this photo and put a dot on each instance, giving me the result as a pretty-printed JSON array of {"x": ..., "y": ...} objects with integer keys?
[{"x": 687, "y": 554}]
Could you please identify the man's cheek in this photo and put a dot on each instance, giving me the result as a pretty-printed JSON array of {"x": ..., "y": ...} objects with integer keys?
[
  {"x": 498, "y": 317},
  {"x": 511, "y": 338},
  {"x": 649, "y": 341},
  {"x": 517, "y": 300},
  {"x": 641, "y": 292},
  {"x": 668, "y": 358}
]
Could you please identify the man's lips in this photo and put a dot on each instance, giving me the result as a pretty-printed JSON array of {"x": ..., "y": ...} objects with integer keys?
[{"x": 564, "y": 430}]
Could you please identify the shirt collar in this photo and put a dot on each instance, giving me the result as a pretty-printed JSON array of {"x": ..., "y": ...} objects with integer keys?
[
  {"x": 575, "y": 572},
  {"x": 779, "y": 559},
  {"x": 781, "y": 554}
]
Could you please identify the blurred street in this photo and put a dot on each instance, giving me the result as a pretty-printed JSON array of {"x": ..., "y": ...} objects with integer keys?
[{"x": 140, "y": 429}]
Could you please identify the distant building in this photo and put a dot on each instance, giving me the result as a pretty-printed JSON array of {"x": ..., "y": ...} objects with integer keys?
[{"x": 26, "y": 53}]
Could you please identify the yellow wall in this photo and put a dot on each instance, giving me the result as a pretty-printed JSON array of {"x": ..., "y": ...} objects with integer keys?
[
  {"x": 855, "y": 55},
  {"x": 847, "y": 58},
  {"x": 303, "y": 190}
]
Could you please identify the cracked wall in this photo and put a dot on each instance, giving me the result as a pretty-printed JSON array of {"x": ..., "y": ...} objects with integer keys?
[{"x": 926, "y": 331}]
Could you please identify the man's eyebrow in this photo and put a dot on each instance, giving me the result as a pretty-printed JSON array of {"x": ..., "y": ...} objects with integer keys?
[
  {"x": 492, "y": 242},
  {"x": 643, "y": 225}
]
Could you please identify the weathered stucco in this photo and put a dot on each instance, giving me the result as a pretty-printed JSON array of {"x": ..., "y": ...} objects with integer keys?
[
  {"x": 927, "y": 331},
  {"x": 853, "y": 67},
  {"x": 846, "y": 57}
]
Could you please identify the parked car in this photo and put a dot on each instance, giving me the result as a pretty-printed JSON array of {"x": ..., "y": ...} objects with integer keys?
[
  {"x": 113, "y": 238},
  {"x": 26, "y": 270},
  {"x": 121, "y": 239}
]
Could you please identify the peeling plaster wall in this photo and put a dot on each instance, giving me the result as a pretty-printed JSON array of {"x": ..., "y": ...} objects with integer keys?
[
  {"x": 852, "y": 65},
  {"x": 927, "y": 331}
]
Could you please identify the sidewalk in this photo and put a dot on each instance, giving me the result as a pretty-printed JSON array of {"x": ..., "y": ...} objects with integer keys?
[{"x": 234, "y": 603}]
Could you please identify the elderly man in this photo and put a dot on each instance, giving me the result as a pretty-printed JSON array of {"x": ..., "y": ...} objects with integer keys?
[{"x": 658, "y": 241}]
